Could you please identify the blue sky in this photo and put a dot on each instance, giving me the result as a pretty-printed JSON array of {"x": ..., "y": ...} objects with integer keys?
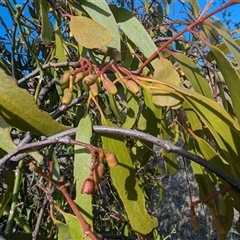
[{"x": 175, "y": 8}]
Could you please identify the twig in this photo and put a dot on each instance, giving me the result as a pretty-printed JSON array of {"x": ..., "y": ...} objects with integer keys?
[
  {"x": 15, "y": 194},
  {"x": 40, "y": 215},
  {"x": 48, "y": 65},
  {"x": 62, "y": 188}
]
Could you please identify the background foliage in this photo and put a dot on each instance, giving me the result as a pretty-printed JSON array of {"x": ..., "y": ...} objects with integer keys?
[{"x": 72, "y": 69}]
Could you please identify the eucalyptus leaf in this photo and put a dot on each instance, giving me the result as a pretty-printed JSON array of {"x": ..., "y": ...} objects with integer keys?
[
  {"x": 124, "y": 180},
  {"x": 46, "y": 30},
  {"x": 89, "y": 33},
  {"x": 231, "y": 78},
  {"x": 99, "y": 11},
  {"x": 82, "y": 163},
  {"x": 193, "y": 74},
  {"x": 18, "y": 109},
  {"x": 131, "y": 26},
  {"x": 165, "y": 71}
]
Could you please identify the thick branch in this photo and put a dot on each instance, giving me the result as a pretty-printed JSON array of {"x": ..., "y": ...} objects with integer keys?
[
  {"x": 169, "y": 147},
  {"x": 166, "y": 145}
]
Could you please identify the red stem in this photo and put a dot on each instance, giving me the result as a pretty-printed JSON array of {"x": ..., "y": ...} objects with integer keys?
[
  {"x": 188, "y": 28},
  {"x": 62, "y": 188}
]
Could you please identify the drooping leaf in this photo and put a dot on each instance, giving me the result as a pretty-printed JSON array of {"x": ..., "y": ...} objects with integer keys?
[
  {"x": 46, "y": 30},
  {"x": 6, "y": 142},
  {"x": 59, "y": 46},
  {"x": 132, "y": 111},
  {"x": 89, "y": 33},
  {"x": 229, "y": 40},
  {"x": 74, "y": 227},
  {"x": 124, "y": 180},
  {"x": 82, "y": 163},
  {"x": 170, "y": 161},
  {"x": 148, "y": 123},
  {"x": 133, "y": 29},
  {"x": 195, "y": 7},
  {"x": 214, "y": 115},
  {"x": 231, "y": 78},
  {"x": 99, "y": 11},
  {"x": 63, "y": 229},
  {"x": 9, "y": 179},
  {"x": 166, "y": 5},
  {"x": 194, "y": 75},
  {"x": 165, "y": 71},
  {"x": 210, "y": 32},
  {"x": 223, "y": 47},
  {"x": 18, "y": 109},
  {"x": 115, "y": 108}
]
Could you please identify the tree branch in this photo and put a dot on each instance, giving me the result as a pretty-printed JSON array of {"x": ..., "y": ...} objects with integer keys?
[{"x": 169, "y": 147}]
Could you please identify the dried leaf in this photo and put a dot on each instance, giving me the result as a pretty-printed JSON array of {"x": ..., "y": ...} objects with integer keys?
[
  {"x": 89, "y": 33},
  {"x": 165, "y": 71}
]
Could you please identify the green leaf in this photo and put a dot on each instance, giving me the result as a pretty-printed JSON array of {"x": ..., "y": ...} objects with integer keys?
[
  {"x": 166, "y": 72},
  {"x": 22, "y": 112},
  {"x": 99, "y": 11},
  {"x": 59, "y": 52},
  {"x": 210, "y": 32},
  {"x": 166, "y": 5},
  {"x": 231, "y": 78},
  {"x": 81, "y": 168},
  {"x": 74, "y": 227},
  {"x": 223, "y": 124},
  {"x": 132, "y": 110},
  {"x": 195, "y": 123},
  {"x": 230, "y": 42},
  {"x": 223, "y": 47},
  {"x": 215, "y": 116},
  {"x": 195, "y": 7},
  {"x": 9, "y": 180},
  {"x": 194, "y": 75},
  {"x": 115, "y": 107},
  {"x": 133, "y": 29},
  {"x": 6, "y": 142},
  {"x": 89, "y": 33},
  {"x": 46, "y": 30},
  {"x": 148, "y": 123},
  {"x": 170, "y": 160},
  {"x": 63, "y": 229},
  {"x": 124, "y": 180}
]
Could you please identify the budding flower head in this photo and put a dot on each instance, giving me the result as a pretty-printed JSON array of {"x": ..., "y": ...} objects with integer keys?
[
  {"x": 98, "y": 173},
  {"x": 79, "y": 77},
  {"x": 111, "y": 159},
  {"x": 117, "y": 56},
  {"x": 67, "y": 97},
  {"x": 109, "y": 86},
  {"x": 195, "y": 222},
  {"x": 218, "y": 224},
  {"x": 64, "y": 80},
  {"x": 88, "y": 186},
  {"x": 89, "y": 80},
  {"x": 94, "y": 89},
  {"x": 132, "y": 86}
]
